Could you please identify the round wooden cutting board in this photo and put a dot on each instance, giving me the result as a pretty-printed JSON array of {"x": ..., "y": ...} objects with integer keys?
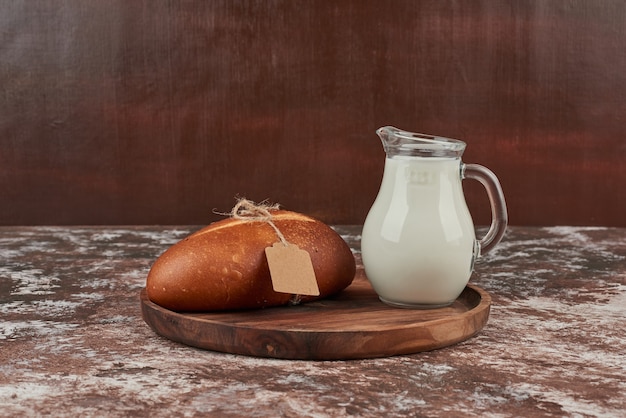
[{"x": 351, "y": 325}]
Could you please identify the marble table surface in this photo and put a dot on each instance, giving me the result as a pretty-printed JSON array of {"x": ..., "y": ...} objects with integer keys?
[{"x": 73, "y": 342}]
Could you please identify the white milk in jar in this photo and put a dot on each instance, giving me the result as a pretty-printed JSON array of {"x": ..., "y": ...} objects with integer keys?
[{"x": 418, "y": 242}]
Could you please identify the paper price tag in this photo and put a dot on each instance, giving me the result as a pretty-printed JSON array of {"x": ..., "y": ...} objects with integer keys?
[{"x": 291, "y": 270}]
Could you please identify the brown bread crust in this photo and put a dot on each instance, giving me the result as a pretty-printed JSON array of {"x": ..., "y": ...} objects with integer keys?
[{"x": 223, "y": 266}]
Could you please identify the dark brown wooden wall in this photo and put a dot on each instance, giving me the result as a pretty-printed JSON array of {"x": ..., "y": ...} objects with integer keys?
[{"x": 118, "y": 111}]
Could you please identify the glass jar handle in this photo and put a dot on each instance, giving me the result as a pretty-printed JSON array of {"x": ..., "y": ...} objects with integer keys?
[{"x": 499, "y": 216}]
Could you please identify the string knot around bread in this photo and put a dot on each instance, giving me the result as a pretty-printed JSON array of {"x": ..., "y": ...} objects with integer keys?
[{"x": 248, "y": 211}]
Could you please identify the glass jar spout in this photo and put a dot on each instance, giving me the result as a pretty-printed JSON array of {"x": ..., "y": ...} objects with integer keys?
[{"x": 397, "y": 142}]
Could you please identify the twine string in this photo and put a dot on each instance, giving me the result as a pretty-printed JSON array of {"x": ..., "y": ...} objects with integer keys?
[{"x": 248, "y": 211}]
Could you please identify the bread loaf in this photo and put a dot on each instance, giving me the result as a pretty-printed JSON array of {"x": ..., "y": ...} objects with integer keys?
[{"x": 223, "y": 266}]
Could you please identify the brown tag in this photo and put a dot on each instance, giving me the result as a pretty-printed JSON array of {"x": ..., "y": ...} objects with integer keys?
[{"x": 291, "y": 270}]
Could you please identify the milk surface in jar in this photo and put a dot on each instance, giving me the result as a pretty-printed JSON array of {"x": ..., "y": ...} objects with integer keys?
[{"x": 418, "y": 241}]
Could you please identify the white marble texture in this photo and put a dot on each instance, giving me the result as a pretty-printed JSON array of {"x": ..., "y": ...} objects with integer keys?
[{"x": 73, "y": 343}]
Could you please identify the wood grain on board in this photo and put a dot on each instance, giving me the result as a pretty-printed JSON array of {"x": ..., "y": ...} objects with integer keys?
[{"x": 352, "y": 325}]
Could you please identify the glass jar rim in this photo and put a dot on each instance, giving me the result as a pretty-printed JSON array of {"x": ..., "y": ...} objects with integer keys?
[{"x": 399, "y": 142}]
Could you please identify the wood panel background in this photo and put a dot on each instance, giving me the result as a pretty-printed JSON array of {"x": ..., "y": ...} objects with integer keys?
[{"x": 159, "y": 112}]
